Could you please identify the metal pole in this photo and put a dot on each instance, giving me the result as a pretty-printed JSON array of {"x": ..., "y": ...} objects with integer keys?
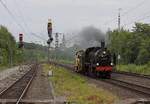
[
  {"x": 119, "y": 19},
  {"x": 11, "y": 59},
  {"x": 10, "y": 54},
  {"x": 48, "y": 52},
  {"x": 49, "y": 29}
]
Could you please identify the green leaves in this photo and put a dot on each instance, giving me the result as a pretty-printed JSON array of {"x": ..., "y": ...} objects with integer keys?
[
  {"x": 133, "y": 46},
  {"x": 7, "y": 45}
]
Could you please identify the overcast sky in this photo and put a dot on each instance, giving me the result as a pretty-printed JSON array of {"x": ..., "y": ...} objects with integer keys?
[{"x": 69, "y": 16}]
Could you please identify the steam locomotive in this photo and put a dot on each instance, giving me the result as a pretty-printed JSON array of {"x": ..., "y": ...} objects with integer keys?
[{"x": 95, "y": 61}]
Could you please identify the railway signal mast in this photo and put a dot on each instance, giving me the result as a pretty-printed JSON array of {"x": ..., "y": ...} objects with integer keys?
[
  {"x": 21, "y": 45},
  {"x": 49, "y": 30},
  {"x": 56, "y": 41},
  {"x": 63, "y": 41}
]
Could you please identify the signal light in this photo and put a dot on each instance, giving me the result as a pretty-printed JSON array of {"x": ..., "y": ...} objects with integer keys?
[
  {"x": 49, "y": 28},
  {"x": 20, "y": 37},
  {"x": 49, "y": 40},
  {"x": 20, "y": 40}
]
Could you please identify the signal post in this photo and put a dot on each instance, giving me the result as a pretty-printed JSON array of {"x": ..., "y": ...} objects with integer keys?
[
  {"x": 49, "y": 30},
  {"x": 20, "y": 45}
]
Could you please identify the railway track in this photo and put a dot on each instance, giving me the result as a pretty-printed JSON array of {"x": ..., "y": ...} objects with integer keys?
[
  {"x": 134, "y": 87},
  {"x": 133, "y": 74},
  {"x": 14, "y": 93},
  {"x": 117, "y": 72},
  {"x": 141, "y": 89}
]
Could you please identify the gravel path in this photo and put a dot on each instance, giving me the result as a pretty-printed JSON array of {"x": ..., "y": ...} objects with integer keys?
[
  {"x": 9, "y": 76},
  {"x": 40, "y": 89},
  {"x": 8, "y": 72}
]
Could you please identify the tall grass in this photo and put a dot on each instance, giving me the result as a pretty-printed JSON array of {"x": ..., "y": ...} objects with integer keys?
[
  {"x": 77, "y": 89},
  {"x": 140, "y": 69}
]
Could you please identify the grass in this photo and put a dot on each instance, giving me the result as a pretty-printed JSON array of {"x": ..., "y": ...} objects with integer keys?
[
  {"x": 140, "y": 69},
  {"x": 66, "y": 61},
  {"x": 76, "y": 88}
]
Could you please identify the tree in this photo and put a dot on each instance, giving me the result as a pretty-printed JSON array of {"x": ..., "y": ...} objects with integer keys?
[
  {"x": 133, "y": 46},
  {"x": 7, "y": 45}
]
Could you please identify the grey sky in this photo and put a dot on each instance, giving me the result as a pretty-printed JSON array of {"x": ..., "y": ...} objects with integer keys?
[{"x": 70, "y": 15}]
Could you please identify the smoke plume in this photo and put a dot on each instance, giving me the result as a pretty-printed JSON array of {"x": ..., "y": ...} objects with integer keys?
[{"x": 90, "y": 36}]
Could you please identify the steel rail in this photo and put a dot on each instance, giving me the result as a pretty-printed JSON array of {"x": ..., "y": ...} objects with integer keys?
[
  {"x": 26, "y": 87},
  {"x": 132, "y": 74},
  {"x": 3, "y": 91},
  {"x": 134, "y": 87},
  {"x": 117, "y": 72}
]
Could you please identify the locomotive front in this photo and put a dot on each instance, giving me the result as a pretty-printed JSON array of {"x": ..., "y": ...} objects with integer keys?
[{"x": 103, "y": 61}]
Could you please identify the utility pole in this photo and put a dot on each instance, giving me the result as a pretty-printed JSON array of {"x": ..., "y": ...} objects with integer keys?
[
  {"x": 119, "y": 28},
  {"x": 119, "y": 20},
  {"x": 10, "y": 54}
]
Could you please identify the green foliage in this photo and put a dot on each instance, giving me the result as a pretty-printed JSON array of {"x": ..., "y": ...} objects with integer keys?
[
  {"x": 9, "y": 50},
  {"x": 33, "y": 54},
  {"x": 133, "y": 46},
  {"x": 65, "y": 54},
  {"x": 7, "y": 46},
  {"x": 140, "y": 69}
]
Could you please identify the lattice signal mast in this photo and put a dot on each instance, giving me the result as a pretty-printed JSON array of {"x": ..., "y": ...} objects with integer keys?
[
  {"x": 63, "y": 41},
  {"x": 49, "y": 30},
  {"x": 56, "y": 40}
]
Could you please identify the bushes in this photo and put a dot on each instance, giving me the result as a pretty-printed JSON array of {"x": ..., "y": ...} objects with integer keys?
[
  {"x": 141, "y": 69},
  {"x": 133, "y": 46},
  {"x": 7, "y": 46}
]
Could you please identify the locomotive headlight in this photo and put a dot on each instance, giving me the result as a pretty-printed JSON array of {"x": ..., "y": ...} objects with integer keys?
[
  {"x": 111, "y": 64},
  {"x": 104, "y": 52},
  {"x": 97, "y": 64}
]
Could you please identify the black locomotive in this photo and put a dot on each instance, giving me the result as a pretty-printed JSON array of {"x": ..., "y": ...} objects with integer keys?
[{"x": 95, "y": 61}]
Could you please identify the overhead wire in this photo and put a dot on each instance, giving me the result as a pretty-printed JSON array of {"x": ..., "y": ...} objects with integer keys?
[
  {"x": 10, "y": 13},
  {"x": 142, "y": 18},
  {"x": 26, "y": 25},
  {"x": 127, "y": 12},
  {"x": 13, "y": 16},
  {"x": 19, "y": 25},
  {"x": 134, "y": 8}
]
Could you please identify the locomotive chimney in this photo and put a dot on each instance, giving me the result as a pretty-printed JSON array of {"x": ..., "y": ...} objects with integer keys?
[{"x": 102, "y": 44}]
